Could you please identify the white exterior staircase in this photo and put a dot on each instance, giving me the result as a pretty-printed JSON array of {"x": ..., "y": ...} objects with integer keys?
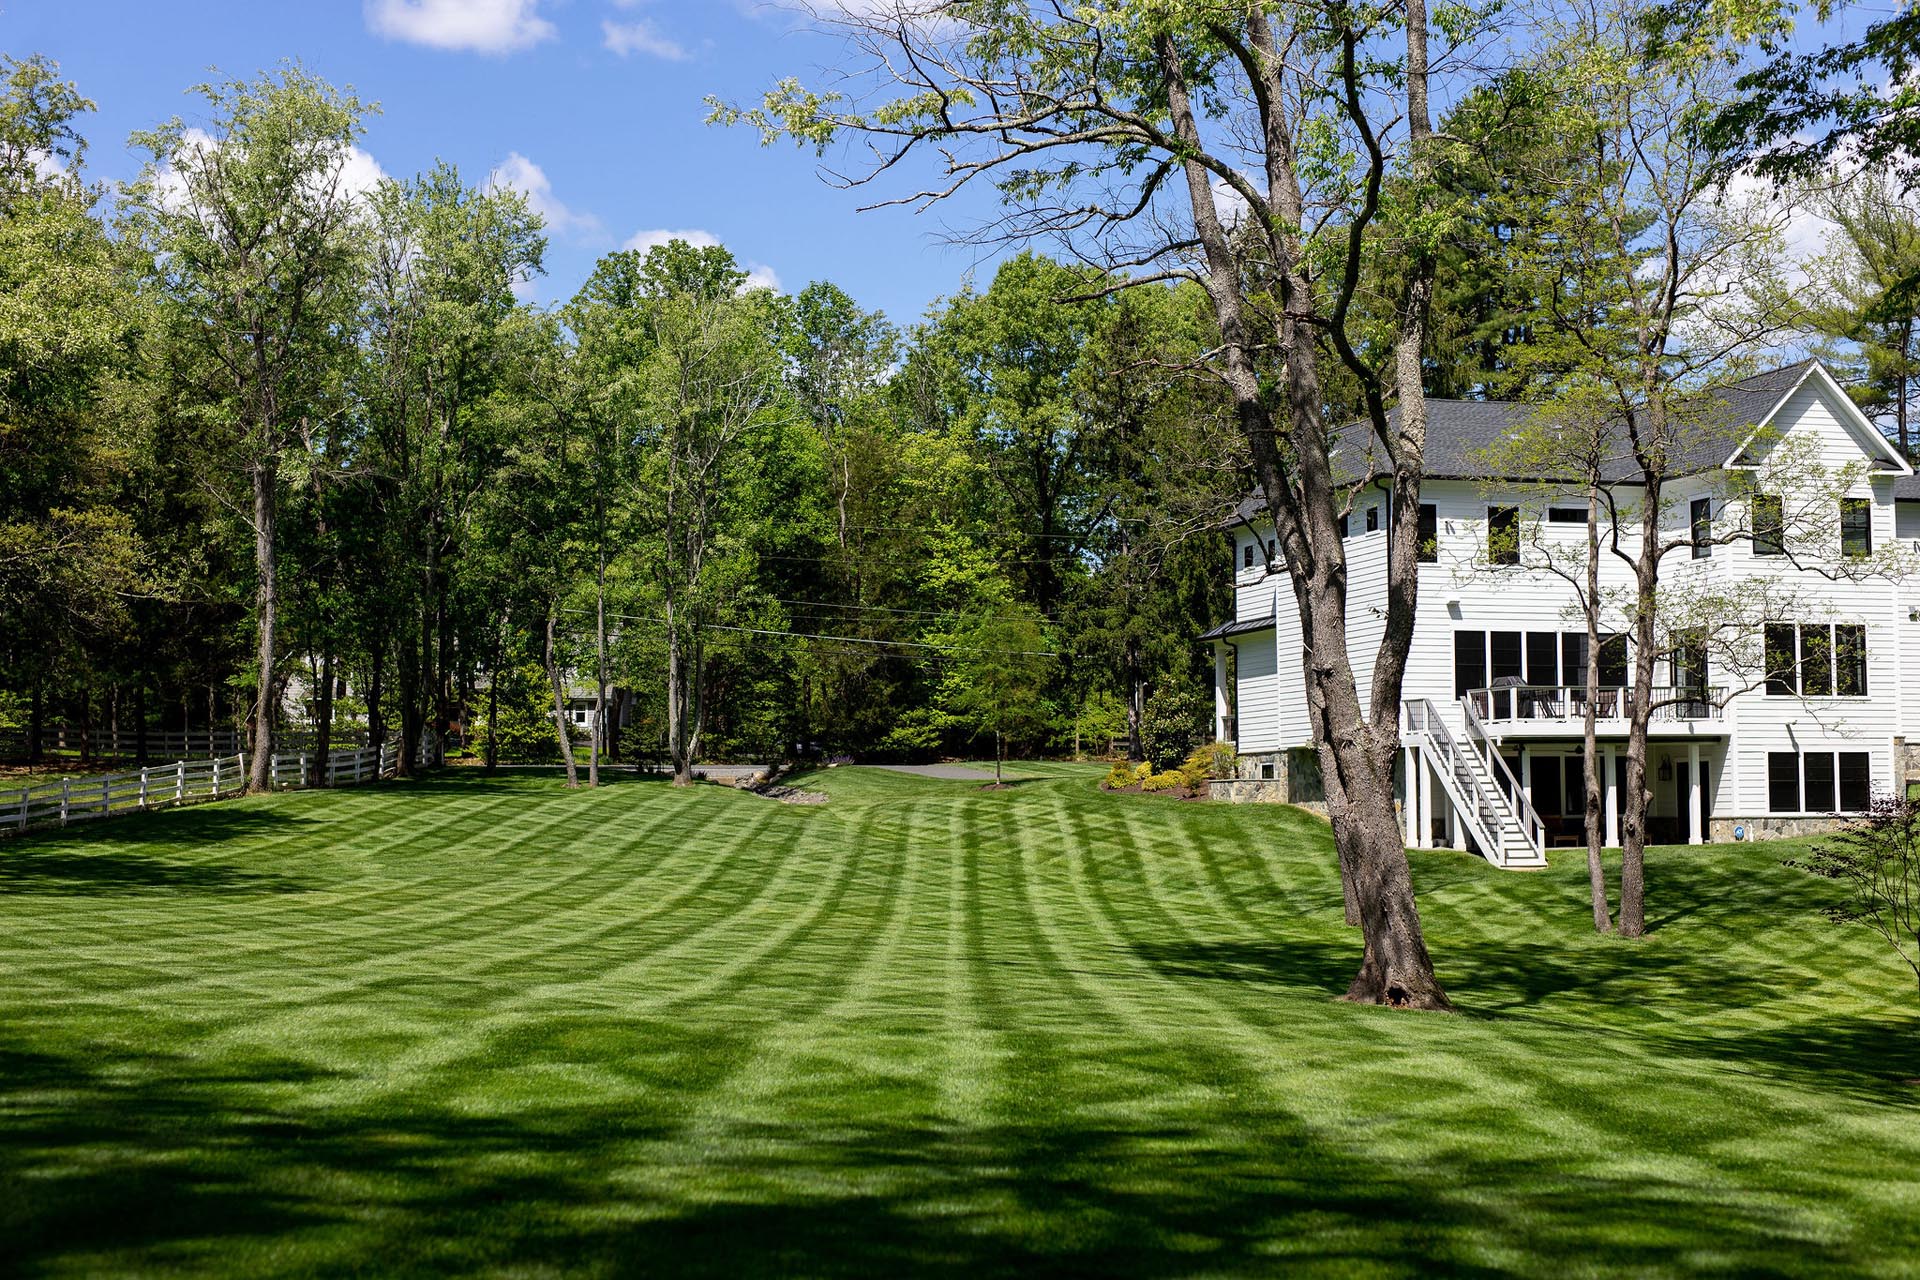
[{"x": 1498, "y": 818}]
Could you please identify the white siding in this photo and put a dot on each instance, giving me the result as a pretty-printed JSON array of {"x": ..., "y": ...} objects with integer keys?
[{"x": 1462, "y": 592}]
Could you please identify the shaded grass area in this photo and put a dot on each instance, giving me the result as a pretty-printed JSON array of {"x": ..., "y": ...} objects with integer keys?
[{"x": 493, "y": 1026}]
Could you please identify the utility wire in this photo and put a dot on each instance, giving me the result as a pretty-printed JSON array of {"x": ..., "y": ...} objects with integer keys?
[{"x": 812, "y": 635}]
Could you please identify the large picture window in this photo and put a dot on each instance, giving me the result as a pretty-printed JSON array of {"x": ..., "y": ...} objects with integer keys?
[
  {"x": 1819, "y": 781},
  {"x": 1815, "y": 660}
]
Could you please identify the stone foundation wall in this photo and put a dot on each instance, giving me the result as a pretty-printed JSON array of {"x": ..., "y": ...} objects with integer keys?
[
  {"x": 1765, "y": 827},
  {"x": 1290, "y": 784}
]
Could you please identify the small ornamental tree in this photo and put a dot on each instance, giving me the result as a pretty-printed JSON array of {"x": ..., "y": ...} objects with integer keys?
[
  {"x": 1001, "y": 678},
  {"x": 1877, "y": 861}
]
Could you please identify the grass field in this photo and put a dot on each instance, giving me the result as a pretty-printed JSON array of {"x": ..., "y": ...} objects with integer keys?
[{"x": 497, "y": 1027}]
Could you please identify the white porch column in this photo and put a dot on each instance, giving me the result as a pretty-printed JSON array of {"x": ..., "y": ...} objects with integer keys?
[
  {"x": 1222, "y": 705},
  {"x": 1694, "y": 835},
  {"x": 1612, "y": 794},
  {"x": 1459, "y": 828},
  {"x": 1423, "y": 839},
  {"x": 1410, "y": 818}
]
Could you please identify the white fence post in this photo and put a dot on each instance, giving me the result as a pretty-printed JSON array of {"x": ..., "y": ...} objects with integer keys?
[
  {"x": 143, "y": 786},
  {"x": 66, "y": 798},
  {"x": 23, "y": 807},
  {"x": 180, "y": 779}
]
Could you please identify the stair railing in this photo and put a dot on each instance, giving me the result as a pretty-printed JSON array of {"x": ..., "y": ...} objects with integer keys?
[{"x": 1530, "y": 824}]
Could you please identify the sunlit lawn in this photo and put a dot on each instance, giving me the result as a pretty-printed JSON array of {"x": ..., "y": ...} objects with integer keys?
[{"x": 498, "y": 1027}]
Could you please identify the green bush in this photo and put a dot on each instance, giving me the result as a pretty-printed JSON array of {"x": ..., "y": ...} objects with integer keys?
[
  {"x": 1214, "y": 760},
  {"x": 1171, "y": 780},
  {"x": 1120, "y": 775},
  {"x": 1173, "y": 723}
]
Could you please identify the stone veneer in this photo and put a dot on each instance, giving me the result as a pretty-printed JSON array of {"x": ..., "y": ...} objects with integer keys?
[
  {"x": 1766, "y": 827},
  {"x": 1286, "y": 786}
]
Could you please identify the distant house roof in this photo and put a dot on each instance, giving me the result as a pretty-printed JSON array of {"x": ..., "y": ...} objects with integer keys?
[{"x": 1462, "y": 433}]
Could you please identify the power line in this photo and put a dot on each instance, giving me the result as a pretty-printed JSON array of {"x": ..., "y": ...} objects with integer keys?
[
  {"x": 812, "y": 635},
  {"x": 921, "y": 613}
]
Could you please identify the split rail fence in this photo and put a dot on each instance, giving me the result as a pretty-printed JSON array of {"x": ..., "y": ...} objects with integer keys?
[{"x": 158, "y": 786}]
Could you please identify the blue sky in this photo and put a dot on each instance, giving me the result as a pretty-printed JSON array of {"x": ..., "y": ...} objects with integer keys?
[{"x": 600, "y": 101}]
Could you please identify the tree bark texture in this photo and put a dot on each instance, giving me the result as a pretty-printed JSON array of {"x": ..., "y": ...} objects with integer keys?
[
  {"x": 560, "y": 702},
  {"x": 267, "y": 607}
]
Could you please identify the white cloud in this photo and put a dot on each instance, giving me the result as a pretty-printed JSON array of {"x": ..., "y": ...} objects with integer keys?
[
  {"x": 759, "y": 275},
  {"x": 485, "y": 26},
  {"x": 520, "y": 174},
  {"x": 640, "y": 36},
  {"x": 359, "y": 172}
]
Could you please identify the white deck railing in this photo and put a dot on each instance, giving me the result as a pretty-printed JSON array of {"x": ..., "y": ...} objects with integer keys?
[{"x": 1513, "y": 703}]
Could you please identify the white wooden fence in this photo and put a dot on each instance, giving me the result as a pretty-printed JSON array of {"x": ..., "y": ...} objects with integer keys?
[{"x": 72, "y": 799}]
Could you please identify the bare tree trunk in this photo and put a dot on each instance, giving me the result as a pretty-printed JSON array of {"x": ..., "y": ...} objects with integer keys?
[
  {"x": 376, "y": 719},
  {"x": 267, "y": 603},
  {"x": 679, "y": 709},
  {"x": 1595, "y": 803},
  {"x": 599, "y": 666},
  {"x": 412, "y": 716},
  {"x": 323, "y": 719},
  {"x": 493, "y": 693},
  {"x": 140, "y": 720},
  {"x": 560, "y": 703},
  {"x": 1633, "y": 836}
]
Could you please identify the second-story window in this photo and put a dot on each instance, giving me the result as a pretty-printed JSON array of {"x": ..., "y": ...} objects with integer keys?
[
  {"x": 1503, "y": 535},
  {"x": 1246, "y": 557},
  {"x": 1700, "y": 521},
  {"x": 1814, "y": 660},
  {"x": 1769, "y": 525},
  {"x": 1373, "y": 519},
  {"x": 1856, "y": 527},
  {"x": 1427, "y": 538}
]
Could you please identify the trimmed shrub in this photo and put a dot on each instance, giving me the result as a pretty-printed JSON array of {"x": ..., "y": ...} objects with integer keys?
[
  {"x": 1171, "y": 780},
  {"x": 1173, "y": 723},
  {"x": 1214, "y": 760}
]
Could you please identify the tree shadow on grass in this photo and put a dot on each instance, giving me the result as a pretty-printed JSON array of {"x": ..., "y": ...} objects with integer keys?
[
  {"x": 128, "y": 855},
  {"x": 1484, "y": 977},
  {"x": 161, "y": 1165},
  {"x": 1873, "y": 1060}
]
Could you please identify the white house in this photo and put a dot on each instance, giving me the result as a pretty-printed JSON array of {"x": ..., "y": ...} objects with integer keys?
[{"x": 1495, "y": 684}]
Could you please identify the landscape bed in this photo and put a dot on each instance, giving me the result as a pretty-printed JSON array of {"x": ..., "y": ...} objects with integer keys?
[{"x": 491, "y": 1025}]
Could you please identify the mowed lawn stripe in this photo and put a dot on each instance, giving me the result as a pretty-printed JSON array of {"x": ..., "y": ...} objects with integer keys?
[{"x": 500, "y": 1028}]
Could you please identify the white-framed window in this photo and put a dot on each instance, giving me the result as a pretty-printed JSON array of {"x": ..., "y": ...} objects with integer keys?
[
  {"x": 1816, "y": 659},
  {"x": 1819, "y": 781}
]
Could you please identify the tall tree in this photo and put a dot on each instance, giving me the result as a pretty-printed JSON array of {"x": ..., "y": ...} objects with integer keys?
[
  {"x": 1244, "y": 145},
  {"x": 69, "y": 551},
  {"x": 1657, "y": 283},
  {"x": 1866, "y": 291},
  {"x": 709, "y": 380},
  {"x": 253, "y": 232}
]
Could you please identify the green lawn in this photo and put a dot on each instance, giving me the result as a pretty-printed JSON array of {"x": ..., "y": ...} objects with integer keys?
[{"x": 497, "y": 1027}]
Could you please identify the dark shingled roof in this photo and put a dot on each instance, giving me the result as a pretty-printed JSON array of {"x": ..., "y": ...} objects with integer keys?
[
  {"x": 1228, "y": 630},
  {"x": 1460, "y": 433}
]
